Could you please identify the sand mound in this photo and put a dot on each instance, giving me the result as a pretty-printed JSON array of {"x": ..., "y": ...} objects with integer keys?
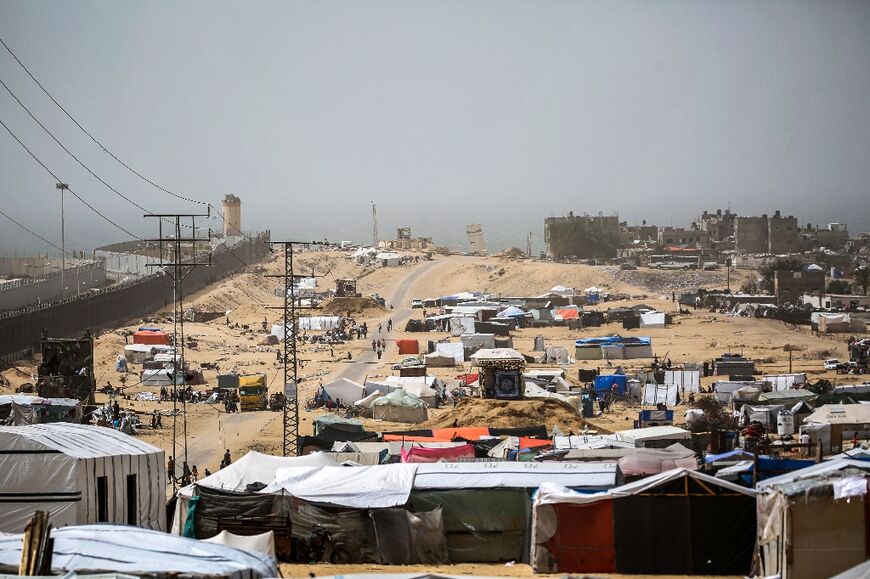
[
  {"x": 509, "y": 413},
  {"x": 341, "y": 306}
]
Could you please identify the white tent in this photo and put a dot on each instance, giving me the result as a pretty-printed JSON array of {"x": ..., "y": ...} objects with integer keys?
[
  {"x": 79, "y": 474},
  {"x": 346, "y": 390},
  {"x": 400, "y": 406},
  {"x": 660, "y": 394},
  {"x": 137, "y": 353},
  {"x": 785, "y": 381},
  {"x": 157, "y": 377},
  {"x": 687, "y": 380},
  {"x": 652, "y": 320},
  {"x": 362, "y": 487},
  {"x": 454, "y": 350},
  {"x": 140, "y": 552}
]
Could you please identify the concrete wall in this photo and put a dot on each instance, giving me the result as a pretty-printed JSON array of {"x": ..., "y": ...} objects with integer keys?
[
  {"x": 20, "y": 331},
  {"x": 38, "y": 265},
  {"x": 751, "y": 234},
  {"x": 783, "y": 234},
  {"x": 28, "y": 291}
]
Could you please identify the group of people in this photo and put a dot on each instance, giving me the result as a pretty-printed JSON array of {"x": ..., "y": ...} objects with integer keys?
[
  {"x": 187, "y": 394},
  {"x": 190, "y": 475}
]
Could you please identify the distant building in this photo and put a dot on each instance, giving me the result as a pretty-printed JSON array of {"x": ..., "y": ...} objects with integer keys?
[
  {"x": 776, "y": 234},
  {"x": 719, "y": 225},
  {"x": 834, "y": 236},
  {"x": 679, "y": 237},
  {"x": 232, "y": 207},
  {"x": 475, "y": 239},
  {"x": 790, "y": 286},
  {"x": 405, "y": 241},
  {"x": 581, "y": 236}
]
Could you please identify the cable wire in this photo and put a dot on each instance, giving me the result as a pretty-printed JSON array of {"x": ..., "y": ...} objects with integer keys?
[
  {"x": 73, "y": 193},
  {"x": 33, "y": 233}
]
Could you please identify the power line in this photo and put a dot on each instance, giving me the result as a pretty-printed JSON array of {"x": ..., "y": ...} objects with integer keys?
[
  {"x": 94, "y": 139},
  {"x": 31, "y": 232},
  {"x": 71, "y": 154},
  {"x": 107, "y": 151},
  {"x": 59, "y": 180}
]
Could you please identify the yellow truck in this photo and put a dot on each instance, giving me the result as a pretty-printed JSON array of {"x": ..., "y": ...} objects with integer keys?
[{"x": 253, "y": 392}]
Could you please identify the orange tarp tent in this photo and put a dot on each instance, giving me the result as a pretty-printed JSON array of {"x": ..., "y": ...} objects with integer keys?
[{"x": 151, "y": 338}]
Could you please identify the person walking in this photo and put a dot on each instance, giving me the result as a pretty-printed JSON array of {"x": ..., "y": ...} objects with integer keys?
[
  {"x": 374, "y": 346},
  {"x": 170, "y": 470},
  {"x": 194, "y": 473}
]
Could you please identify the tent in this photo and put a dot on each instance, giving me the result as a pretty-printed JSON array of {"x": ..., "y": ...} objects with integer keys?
[
  {"x": 653, "y": 436},
  {"x": 687, "y": 380},
  {"x": 439, "y": 360},
  {"x": 399, "y": 406},
  {"x": 25, "y": 409},
  {"x": 151, "y": 337},
  {"x": 647, "y": 461},
  {"x": 443, "y": 454},
  {"x": 134, "y": 551},
  {"x": 812, "y": 522},
  {"x": 137, "y": 353},
  {"x": 652, "y": 320},
  {"x": 660, "y": 394},
  {"x": 605, "y": 383},
  {"x": 454, "y": 350},
  {"x": 408, "y": 346},
  {"x": 344, "y": 389},
  {"x": 80, "y": 474},
  {"x": 679, "y": 522},
  {"x": 511, "y": 312},
  {"x": 785, "y": 381}
]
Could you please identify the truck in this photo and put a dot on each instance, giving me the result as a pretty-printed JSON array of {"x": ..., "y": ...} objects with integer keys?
[{"x": 253, "y": 392}]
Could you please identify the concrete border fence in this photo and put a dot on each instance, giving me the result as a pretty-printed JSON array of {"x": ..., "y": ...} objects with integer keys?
[{"x": 20, "y": 331}]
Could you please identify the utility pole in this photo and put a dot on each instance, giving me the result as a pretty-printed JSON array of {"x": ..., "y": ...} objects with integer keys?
[
  {"x": 62, "y": 187},
  {"x": 529, "y": 245},
  {"x": 374, "y": 225},
  {"x": 290, "y": 442},
  {"x": 180, "y": 265}
]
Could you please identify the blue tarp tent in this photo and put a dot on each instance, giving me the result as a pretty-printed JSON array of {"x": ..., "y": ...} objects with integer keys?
[
  {"x": 613, "y": 341},
  {"x": 511, "y": 312},
  {"x": 605, "y": 383},
  {"x": 732, "y": 455}
]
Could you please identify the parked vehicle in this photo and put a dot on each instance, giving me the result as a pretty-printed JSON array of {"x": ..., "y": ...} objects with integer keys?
[{"x": 832, "y": 364}]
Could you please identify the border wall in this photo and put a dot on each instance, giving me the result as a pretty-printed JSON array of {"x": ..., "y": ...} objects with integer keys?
[{"x": 20, "y": 332}]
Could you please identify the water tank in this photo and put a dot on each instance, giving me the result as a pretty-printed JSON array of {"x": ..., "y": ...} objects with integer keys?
[{"x": 785, "y": 423}]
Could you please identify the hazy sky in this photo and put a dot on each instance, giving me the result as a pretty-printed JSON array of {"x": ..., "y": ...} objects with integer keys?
[{"x": 442, "y": 112}]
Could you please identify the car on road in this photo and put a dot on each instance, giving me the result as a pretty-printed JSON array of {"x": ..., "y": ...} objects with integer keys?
[
  {"x": 627, "y": 267},
  {"x": 832, "y": 364},
  {"x": 417, "y": 304}
]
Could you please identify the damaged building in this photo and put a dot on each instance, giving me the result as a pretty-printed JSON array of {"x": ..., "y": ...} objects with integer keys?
[{"x": 582, "y": 236}]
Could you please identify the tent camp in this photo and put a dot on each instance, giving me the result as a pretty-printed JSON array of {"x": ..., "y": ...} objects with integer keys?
[
  {"x": 80, "y": 474},
  {"x": 813, "y": 522},
  {"x": 652, "y": 320},
  {"x": 22, "y": 409},
  {"x": 679, "y": 522},
  {"x": 94, "y": 549}
]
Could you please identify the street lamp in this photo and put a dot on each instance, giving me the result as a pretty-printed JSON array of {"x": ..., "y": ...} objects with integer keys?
[{"x": 62, "y": 187}]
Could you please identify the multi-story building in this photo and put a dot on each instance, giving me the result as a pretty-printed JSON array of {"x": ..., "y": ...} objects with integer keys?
[
  {"x": 581, "y": 236},
  {"x": 776, "y": 234},
  {"x": 719, "y": 225},
  {"x": 679, "y": 237}
]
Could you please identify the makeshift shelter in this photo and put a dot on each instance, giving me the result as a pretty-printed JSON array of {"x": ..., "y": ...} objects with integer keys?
[
  {"x": 652, "y": 320},
  {"x": 605, "y": 383},
  {"x": 648, "y": 461},
  {"x": 613, "y": 347},
  {"x": 426, "y": 388},
  {"x": 453, "y": 350},
  {"x": 660, "y": 394},
  {"x": 80, "y": 474},
  {"x": 813, "y": 522},
  {"x": 92, "y": 549},
  {"x": 653, "y": 436},
  {"x": 326, "y": 420},
  {"x": 686, "y": 380},
  {"x": 439, "y": 360},
  {"x": 844, "y": 420},
  {"x": 345, "y": 390},
  {"x": 785, "y": 381},
  {"x": 151, "y": 337},
  {"x": 138, "y": 353},
  {"x": 260, "y": 543},
  {"x": 679, "y": 522},
  {"x": 443, "y": 454},
  {"x": 476, "y": 342},
  {"x": 399, "y": 406},
  {"x": 408, "y": 346},
  {"x": 500, "y": 373},
  {"x": 22, "y": 409}
]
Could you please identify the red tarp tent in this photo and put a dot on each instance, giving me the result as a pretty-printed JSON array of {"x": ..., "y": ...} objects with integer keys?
[{"x": 408, "y": 346}]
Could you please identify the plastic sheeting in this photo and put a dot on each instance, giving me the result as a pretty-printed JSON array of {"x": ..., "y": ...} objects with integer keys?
[
  {"x": 453, "y": 350},
  {"x": 660, "y": 394},
  {"x": 107, "y": 548},
  {"x": 449, "y": 454},
  {"x": 652, "y": 320},
  {"x": 688, "y": 380},
  {"x": 513, "y": 475},
  {"x": 647, "y": 461},
  {"x": 361, "y": 487},
  {"x": 262, "y": 543},
  {"x": 346, "y": 390}
]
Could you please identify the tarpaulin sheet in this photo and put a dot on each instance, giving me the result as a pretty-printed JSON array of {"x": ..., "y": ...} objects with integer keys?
[
  {"x": 408, "y": 346},
  {"x": 361, "y": 487},
  {"x": 688, "y": 380},
  {"x": 605, "y": 383},
  {"x": 149, "y": 337},
  {"x": 660, "y": 394},
  {"x": 136, "y": 551},
  {"x": 454, "y": 350},
  {"x": 448, "y": 454}
]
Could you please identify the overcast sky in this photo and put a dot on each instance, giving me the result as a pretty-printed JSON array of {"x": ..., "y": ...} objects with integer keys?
[{"x": 442, "y": 112}]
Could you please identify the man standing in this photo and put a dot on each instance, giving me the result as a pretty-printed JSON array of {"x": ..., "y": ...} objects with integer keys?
[
  {"x": 227, "y": 458},
  {"x": 170, "y": 470}
]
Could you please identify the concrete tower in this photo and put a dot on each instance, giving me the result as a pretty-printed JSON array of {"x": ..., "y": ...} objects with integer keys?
[{"x": 232, "y": 206}]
